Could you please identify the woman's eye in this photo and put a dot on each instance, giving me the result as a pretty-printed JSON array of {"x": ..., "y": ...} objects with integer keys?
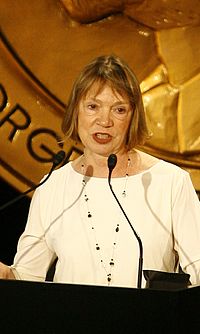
[
  {"x": 92, "y": 106},
  {"x": 120, "y": 110}
]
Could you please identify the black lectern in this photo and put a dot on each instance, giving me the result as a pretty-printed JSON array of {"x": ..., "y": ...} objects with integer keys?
[{"x": 31, "y": 307}]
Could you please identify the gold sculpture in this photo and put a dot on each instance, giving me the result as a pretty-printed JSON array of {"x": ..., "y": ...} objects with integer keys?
[{"x": 45, "y": 44}]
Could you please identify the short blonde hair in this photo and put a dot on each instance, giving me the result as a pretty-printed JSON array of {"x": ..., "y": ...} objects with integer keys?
[{"x": 108, "y": 70}]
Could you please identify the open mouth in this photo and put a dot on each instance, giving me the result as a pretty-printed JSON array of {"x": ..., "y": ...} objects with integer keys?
[{"x": 102, "y": 138}]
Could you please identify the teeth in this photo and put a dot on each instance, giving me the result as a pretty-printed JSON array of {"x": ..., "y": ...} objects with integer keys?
[{"x": 102, "y": 135}]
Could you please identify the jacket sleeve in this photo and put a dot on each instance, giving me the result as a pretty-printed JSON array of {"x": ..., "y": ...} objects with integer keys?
[
  {"x": 33, "y": 257},
  {"x": 186, "y": 226}
]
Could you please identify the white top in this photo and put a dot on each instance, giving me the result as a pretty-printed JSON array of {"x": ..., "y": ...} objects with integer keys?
[{"x": 160, "y": 203}]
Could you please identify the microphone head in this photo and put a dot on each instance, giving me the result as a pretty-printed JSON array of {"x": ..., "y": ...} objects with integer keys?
[
  {"x": 58, "y": 158},
  {"x": 112, "y": 161}
]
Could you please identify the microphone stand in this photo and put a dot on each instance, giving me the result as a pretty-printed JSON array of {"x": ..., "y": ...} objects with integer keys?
[{"x": 112, "y": 160}]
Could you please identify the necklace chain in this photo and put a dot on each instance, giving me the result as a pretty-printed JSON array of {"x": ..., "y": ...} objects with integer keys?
[{"x": 110, "y": 267}]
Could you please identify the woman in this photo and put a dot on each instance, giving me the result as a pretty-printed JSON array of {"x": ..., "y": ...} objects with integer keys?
[{"x": 75, "y": 217}]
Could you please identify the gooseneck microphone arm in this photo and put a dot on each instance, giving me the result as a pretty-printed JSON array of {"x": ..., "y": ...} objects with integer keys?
[
  {"x": 57, "y": 159},
  {"x": 112, "y": 161}
]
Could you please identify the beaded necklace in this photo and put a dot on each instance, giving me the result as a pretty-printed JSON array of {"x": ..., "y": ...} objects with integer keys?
[{"x": 90, "y": 217}]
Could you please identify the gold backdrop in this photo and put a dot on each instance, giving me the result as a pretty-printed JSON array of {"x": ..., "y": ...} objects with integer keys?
[{"x": 44, "y": 44}]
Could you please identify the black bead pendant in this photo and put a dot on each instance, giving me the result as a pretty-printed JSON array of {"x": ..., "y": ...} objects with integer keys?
[
  {"x": 109, "y": 277},
  {"x": 112, "y": 262}
]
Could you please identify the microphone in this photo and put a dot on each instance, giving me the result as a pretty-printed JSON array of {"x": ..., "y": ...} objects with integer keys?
[
  {"x": 112, "y": 161},
  {"x": 57, "y": 159}
]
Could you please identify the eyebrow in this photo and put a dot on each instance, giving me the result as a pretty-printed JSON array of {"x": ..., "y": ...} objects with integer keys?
[{"x": 115, "y": 104}]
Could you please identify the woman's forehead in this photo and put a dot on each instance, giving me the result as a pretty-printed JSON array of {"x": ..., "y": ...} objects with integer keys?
[{"x": 98, "y": 87}]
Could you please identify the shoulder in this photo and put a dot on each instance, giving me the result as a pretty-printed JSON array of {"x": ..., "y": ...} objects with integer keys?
[
  {"x": 61, "y": 172},
  {"x": 63, "y": 182},
  {"x": 148, "y": 161},
  {"x": 163, "y": 170},
  {"x": 58, "y": 178}
]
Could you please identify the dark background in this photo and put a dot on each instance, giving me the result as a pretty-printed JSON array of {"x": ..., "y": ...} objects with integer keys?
[{"x": 12, "y": 221}]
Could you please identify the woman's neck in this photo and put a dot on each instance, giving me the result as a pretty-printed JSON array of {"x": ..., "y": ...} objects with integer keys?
[{"x": 97, "y": 165}]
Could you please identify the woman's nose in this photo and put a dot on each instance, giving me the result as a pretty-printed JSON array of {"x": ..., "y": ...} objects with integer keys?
[{"x": 104, "y": 119}]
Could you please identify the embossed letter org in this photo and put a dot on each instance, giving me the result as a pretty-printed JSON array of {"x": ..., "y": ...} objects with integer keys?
[
  {"x": 18, "y": 118},
  {"x": 44, "y": 148}
]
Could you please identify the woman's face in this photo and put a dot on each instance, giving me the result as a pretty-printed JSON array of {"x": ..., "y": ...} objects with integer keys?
[{"x": 103, "y": 121}]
